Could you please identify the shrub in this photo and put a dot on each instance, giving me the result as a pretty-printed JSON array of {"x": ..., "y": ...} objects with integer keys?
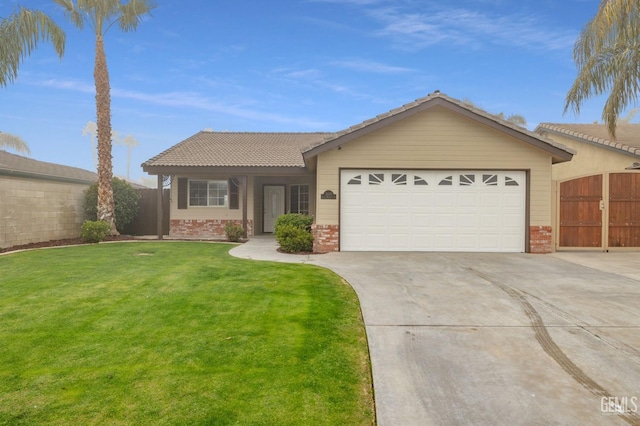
[
  {"x": 293, "y": 232},
  {"x": 233, "y": 231},
  {"x": 293, "y": 239},
  {"x": 125, "y": 198},
  {"x": 294, "y": 219},
  {"x": 94, "y": 231}
]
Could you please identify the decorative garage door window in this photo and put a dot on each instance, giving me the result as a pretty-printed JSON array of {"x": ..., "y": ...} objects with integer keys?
[
  {"x": 466, "y": 180},
  {"x": 399, "y": 178},
  {"x": 356, "y": 180},
  {"x": 432, "y": 210},
  {"x": 417, "y": 180},
  {"x": 448, "y": 181},
  {"x": 490, "y": 180},
  {"x": 376, "y": 178}
]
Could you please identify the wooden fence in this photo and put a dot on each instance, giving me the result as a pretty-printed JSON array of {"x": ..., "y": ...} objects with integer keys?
[{"x": 146, "y": 222}]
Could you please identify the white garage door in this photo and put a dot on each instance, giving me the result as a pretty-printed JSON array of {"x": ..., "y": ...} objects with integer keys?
[{"x": 432, "y": 210}]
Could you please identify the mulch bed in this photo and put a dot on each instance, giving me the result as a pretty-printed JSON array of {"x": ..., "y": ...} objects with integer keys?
[{"x": 58, "y": 243}]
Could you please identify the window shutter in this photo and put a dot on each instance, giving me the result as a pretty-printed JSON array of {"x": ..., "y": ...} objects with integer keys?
[
  {"x": 183, "y": 192},
  {"x": 234, "y": 195}
]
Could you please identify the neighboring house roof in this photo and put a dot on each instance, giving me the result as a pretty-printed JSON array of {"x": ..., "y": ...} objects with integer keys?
[
  {"x": 559, "y": 152},
  {"x": 237, "y": 149},
  {"x": 627, "y": 138},
  {"x": 17, "y": 165}
]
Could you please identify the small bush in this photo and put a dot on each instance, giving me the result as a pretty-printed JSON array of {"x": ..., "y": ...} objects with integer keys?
[
  {"x": 94, "y": 231},
  {"x": 125, "y": 198},
  {"x": 233, "y": 231},
  {"x": 293, "y": 232},
  {"x": 294, "y": 219},
  {"x": 293, "y": 239}
]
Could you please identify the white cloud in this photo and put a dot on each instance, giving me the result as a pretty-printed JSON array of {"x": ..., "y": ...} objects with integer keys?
[
  {"x": 458, "y": 26},
  {"x": 188, "y": 99},
  {"x": 417, "y": 25},
  {"x": 371, "y": 66},
  {"x": 77, "y": 86}
]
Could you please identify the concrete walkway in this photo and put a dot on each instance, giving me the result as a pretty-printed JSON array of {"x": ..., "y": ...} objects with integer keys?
[{"x": 494, "y": 339}]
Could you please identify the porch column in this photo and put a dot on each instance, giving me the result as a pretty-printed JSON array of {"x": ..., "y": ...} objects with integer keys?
[
  {"x": 245, "y": 198},
  {"x": 159, "y": 208}
]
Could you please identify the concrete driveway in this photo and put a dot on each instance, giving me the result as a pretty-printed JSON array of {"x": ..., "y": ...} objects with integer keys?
[{"x": 499, "y": 339}]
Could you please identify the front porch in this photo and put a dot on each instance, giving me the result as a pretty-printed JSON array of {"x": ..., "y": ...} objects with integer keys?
[{"x": 207, "y": 202}]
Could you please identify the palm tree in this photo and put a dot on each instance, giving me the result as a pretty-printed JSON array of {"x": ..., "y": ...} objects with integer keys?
[
  {"x": 100, "y": 16},
  {"x": 607, "y": 54},
  {"x": 7, "y": 140},
  {"x": 20, "y": 34}
]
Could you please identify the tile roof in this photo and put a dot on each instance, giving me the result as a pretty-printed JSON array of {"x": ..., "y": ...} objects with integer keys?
[
  {"x": 238, "y": 149},
  {"x": 251, "y": 149},
  {"x": 12, "y": 164},
  {"x": 627, "y": 135}
]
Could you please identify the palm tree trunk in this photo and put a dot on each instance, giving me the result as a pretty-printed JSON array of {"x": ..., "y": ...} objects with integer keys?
[{"x": 106, "y": 206}]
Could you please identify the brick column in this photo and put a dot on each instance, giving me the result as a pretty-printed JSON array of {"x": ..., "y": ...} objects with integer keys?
[
  {"x": 326, "y": 238},
  {"x": 540, "y": 239}
]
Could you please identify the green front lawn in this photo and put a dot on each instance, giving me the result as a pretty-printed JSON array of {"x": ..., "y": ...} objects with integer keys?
[{"x": 177, "y": 333}]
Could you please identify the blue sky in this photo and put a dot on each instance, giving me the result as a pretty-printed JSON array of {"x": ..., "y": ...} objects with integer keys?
[{"x": 292, "y": 65}]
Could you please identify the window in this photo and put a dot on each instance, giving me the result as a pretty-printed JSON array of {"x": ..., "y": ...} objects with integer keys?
[
  {"x": 299, "y": 199},
  {"x": 399, "y": 179},
  {"x": 448, "y": 181},
  {"x": 355, "y": 181},
  {"x": 510, "y": 181},
  {"x": 376, "y": 178},
  {"x": 467, "y": 180},
  {"x": 490, "y": 180},
  {"x": 208, "y": 193},
  {"x": 417, "y": 180}
]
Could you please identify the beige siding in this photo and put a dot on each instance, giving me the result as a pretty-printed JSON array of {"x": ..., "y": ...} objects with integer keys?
[
  {"x": 589, "y": 159},
  {"x": 203, "y": 213},
  {"x": 436, "y": 139},
  {"x": 38, "y": 210}
]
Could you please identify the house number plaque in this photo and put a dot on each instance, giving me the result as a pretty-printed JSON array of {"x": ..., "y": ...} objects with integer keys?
[{"x": 328, "y": 195}]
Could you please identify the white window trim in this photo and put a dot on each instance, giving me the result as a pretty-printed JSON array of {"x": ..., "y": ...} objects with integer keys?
[
  {"x": 208, "y": 206},
  {"x": 298, "y": 185}
]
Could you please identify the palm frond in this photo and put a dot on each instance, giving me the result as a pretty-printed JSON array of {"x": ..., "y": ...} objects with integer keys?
[
  {"x": 606, "y": 55},
  {"x": 7, "y": 140},
  {"x": 20, "y": 34}
]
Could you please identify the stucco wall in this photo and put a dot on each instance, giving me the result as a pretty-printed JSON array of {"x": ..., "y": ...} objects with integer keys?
[
  {"x": 437, "y": 139},
  {"x": 589, "y": 159},
  {"x": 33, "y": 210}
]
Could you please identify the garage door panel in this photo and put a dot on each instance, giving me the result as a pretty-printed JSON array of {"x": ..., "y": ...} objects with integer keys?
[
  {"x": 433, "y": 210},
  {"x": 469, "y": 201},
  {"x": 467, "y": 220}
]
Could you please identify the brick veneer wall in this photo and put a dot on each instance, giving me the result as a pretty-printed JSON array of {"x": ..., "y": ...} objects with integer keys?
[
  {"x": 203, "y": 228},
  {"x": 540, "y": 239},
  {"x": 326, "y": 238},
  {"x": 37, "y": 210}
]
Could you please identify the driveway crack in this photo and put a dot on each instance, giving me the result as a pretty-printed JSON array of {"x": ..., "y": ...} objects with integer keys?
[{"x": 551, "y": 348}]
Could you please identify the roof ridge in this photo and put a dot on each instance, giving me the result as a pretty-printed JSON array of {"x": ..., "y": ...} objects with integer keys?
[{"x": 260, "y": 132}]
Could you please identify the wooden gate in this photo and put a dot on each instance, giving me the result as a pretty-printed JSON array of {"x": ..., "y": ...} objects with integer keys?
[
  {"x": 600, "y": 211},
  {"x": 580, "y": 213},
  {"x": 624, "y": 210}
]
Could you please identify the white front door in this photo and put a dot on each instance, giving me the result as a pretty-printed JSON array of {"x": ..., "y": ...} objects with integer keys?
[{"x": 273, "y": 204}]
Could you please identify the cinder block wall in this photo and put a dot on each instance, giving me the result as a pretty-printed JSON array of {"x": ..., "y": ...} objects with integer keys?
[{"x": 34, "y": 210}]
